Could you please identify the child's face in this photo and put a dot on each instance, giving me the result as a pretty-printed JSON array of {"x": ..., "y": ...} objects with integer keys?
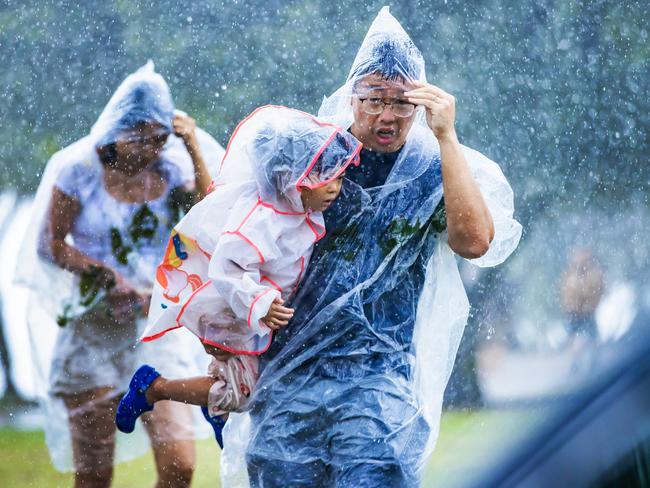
[{"x": 319, "y": 199}]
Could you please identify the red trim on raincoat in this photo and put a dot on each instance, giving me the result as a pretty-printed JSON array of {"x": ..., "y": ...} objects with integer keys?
[
  {"x": 189, "y": 299},
  {"x": 250, "y": 310},
  {"x": 169, "y": 266},
  {"x": 312, "y": 225},
  {"x": 159, "y": 334},
  {"x": 281, "y": 212},
  {"x": 353, "y": 159},
  {"x": 302, "y": 269},
  {"x": 215, "y": 344},
  {"x": 273, "y": 283},
  {"x": 313, "y": 161},
  {"x": 250, "y": 212},
  {"x": 206, "y": 253},
  {"x": 237, "y": 351}
]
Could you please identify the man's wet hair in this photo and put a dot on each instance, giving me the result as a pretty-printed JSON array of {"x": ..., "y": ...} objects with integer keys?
[{"x": 392, "y": 59}]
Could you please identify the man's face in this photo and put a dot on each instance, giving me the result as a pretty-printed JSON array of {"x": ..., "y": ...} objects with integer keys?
[{"x": 383, "y": 132}]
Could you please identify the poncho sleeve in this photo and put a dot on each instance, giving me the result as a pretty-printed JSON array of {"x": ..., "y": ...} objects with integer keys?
[
  {"x": 78, "y": 179},
  {"x": 235, "y": 268},
  {"x": 500, "y": 201}
]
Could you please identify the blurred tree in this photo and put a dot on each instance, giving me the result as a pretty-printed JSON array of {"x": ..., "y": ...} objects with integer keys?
[{"x": 554, "y": 91}]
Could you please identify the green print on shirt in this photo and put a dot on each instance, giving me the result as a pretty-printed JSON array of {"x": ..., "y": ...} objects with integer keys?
[
  {"x": 142, "y": 229},
  {"x": 144, "y": 225},
  {"x": 400, "y": 230},
  {"x": 90, "y": 292}
]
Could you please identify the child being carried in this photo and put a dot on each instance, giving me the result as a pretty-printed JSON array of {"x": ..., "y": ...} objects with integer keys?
[{"x": 239, "y": 254}]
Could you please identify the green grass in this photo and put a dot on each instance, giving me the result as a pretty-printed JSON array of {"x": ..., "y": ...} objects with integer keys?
[
  {"x": 25, "y": 462},
  {"x": 472, "y": 442},
  {"x": 468, "y": 442}
]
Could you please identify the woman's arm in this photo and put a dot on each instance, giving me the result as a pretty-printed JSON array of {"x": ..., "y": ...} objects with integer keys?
[
  {"x": 185, "y": 128},
  {"x": 63, "y": 213}
]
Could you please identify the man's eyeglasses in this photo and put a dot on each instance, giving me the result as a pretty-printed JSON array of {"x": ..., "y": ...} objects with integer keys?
[{"x": 375, "y": 106}]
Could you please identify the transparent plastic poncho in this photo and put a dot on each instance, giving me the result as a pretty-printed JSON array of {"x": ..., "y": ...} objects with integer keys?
[
  {"x": 379, "y": 315},
  {"x": 142, "y": 97}
]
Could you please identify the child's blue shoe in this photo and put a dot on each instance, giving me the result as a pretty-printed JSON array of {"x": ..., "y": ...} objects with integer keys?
[
  {"x": 217, "y": 424},
  {"x": 134, "y": 403}
]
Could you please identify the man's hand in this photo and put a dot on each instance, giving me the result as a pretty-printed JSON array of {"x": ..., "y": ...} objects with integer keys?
[
  {"x": 278, "y": 316},
  {"x": 440, "y": 108}
]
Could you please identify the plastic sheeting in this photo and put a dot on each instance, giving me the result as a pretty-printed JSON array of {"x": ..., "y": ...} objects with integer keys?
[
  {"x": 351, "y": 391},
  {"x": 94, "y": 349}
]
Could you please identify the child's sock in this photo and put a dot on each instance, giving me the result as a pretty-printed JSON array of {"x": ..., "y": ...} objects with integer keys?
[{"x": 217, "y": 424}]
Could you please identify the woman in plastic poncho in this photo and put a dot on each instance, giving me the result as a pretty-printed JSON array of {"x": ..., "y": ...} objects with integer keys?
[
  {"x": 103, "y": 213},
  {"x": 352, "y": 389}
]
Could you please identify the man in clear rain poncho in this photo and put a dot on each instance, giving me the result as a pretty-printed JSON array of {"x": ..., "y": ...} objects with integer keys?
[{"x": 351, "y": 391}]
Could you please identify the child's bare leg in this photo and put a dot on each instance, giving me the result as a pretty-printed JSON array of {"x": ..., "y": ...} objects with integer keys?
[{"x": 187, "y": 390}]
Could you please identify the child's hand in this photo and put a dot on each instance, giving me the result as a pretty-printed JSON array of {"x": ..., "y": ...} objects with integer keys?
[{"x": 278, "y": 316}]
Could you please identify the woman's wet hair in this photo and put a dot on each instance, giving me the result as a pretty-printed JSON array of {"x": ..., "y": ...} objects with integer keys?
[
  {"x": 141, "y": 106},
  {"x": 142, "y": 102}
]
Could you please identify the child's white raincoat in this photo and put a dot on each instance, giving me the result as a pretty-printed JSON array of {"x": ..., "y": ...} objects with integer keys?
[{"x": 248, "y": 242}]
